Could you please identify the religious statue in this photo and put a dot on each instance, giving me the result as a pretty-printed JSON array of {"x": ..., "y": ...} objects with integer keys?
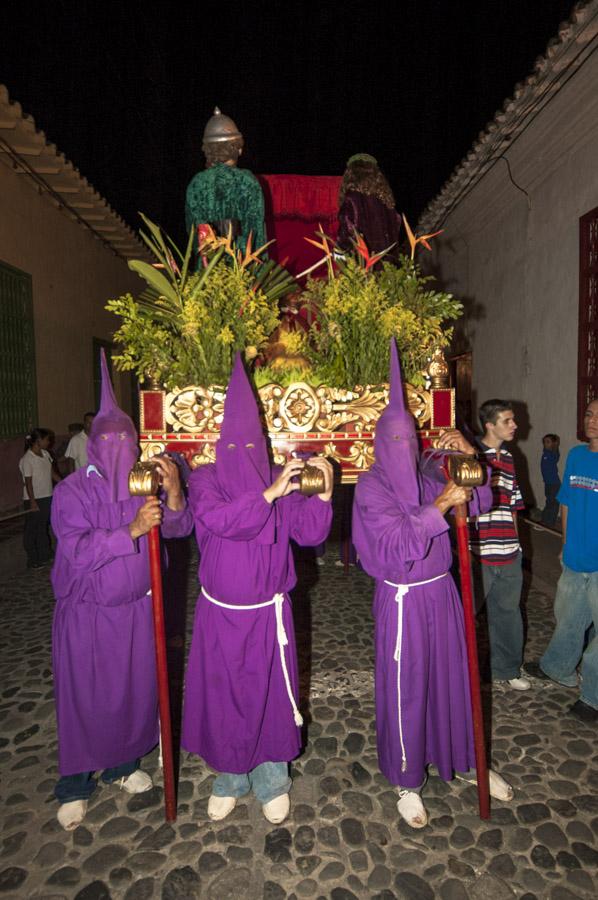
[
  {"x": 367, "y": 207},
  {"x": 223, "y": 196}
]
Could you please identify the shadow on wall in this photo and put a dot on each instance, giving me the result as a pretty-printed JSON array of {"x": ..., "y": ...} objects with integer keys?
[{"x": 524, "y": 429}]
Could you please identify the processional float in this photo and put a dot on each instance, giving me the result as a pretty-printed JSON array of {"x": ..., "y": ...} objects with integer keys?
[{"x": 305, "y": 419}]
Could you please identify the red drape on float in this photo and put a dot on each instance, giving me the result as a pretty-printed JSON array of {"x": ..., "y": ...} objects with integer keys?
[{"x": 296, "y": 205}]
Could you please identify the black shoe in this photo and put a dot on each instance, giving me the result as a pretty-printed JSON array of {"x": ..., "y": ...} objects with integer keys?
[
  {"x": 584, "y": 712},
  {"x": 534, "y": 669}
]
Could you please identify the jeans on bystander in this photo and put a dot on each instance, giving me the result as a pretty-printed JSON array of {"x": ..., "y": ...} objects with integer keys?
[
  {"x": 575, "y": 610},
  {"x": 502, "y": 593}
]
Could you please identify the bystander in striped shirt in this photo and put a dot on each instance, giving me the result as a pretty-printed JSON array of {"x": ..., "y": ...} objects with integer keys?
[{"x": 492, "y": 536}]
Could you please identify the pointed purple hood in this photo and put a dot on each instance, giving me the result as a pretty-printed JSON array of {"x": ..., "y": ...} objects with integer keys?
[
  {"x": 395, "y": 443},
  {"x": 242, "y": 461},
  {"x": 112, "y": 446}
]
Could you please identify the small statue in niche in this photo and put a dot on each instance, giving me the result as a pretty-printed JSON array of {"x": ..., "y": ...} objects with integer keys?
[{"x": 284, "y": 347}]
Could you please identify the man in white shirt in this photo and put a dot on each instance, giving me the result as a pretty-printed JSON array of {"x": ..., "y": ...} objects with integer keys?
[{"x": 76, "y": 452}]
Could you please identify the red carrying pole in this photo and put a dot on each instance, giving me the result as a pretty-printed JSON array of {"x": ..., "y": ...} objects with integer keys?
[
  {"x": 472, "y": 658},
  {"x": 162, "y": 673}
]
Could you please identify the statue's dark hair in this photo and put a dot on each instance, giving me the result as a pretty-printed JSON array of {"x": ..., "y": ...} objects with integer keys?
[
  {"x": 222, "y": 151},
  {"x": 366, "y": 178}
]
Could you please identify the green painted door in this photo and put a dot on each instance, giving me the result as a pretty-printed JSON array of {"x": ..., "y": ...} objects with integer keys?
[{"x": 18, "y": 389}]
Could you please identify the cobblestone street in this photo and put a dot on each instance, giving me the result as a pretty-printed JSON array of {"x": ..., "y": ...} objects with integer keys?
[{"x": 343, "y": 839}]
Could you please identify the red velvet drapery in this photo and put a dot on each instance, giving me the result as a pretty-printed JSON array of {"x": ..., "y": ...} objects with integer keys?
[{"x": 296, "y": 205}]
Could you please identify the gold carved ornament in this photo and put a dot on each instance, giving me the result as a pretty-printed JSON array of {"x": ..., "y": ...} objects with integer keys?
[
  {"x": 360, "y": 454},
  {"x": 297, "y": 409}
]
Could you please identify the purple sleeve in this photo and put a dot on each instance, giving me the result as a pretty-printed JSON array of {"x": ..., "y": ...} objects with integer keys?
[
  {"x": 84, "y": 546},
  {"x": 241, "y": 519},
  {"x": 390, "y": 537},
  {"x": 176, "y": 523},
  {"x": 310, "y": 519}
]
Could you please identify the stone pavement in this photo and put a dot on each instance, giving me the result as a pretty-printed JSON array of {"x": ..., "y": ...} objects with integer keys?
[{"x": 343, "y": 839}]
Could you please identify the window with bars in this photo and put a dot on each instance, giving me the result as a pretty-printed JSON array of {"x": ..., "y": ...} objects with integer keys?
[
  {"x": 18, "y": 388},
  {"x": 587, "y": 377}
]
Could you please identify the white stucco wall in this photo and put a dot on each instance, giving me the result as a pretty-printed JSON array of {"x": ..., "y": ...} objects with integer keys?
[
  {"x": 516, "y": 264},
  {"x": 73, "y": 275}
]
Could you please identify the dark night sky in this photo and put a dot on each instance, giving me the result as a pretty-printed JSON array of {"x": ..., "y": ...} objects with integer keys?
[{"x": 124, "y": 89}]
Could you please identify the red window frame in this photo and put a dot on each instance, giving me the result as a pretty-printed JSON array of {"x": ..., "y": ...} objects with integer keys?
[{"x": 587, "y": 371}]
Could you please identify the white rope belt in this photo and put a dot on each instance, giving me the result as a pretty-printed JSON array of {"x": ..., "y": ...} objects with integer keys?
[
  {"x": 281, "y": 637},
  {"x": 402, "y": 590}
]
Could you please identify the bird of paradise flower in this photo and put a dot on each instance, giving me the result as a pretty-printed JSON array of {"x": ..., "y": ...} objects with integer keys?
[{"x": 421, "y": 239}]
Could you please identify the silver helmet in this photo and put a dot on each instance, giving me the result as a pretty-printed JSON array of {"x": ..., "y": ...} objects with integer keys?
[{"x": 220, "y": 128}]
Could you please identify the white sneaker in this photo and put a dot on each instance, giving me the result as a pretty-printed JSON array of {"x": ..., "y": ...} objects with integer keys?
[
  {"x": 220, "y": 807},
  {"x": 278, "y": 809},
  {"x": 411, "y": 809},
  {"x": 498, "y": 787},
  {"x": 320, "y": 561},
  {"x": 70, "y": 815},
  {"x": 520, "y": 683},
  {"x": 137, "y": 783}
]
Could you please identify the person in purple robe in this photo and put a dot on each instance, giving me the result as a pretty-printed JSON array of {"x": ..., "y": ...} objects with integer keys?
[
  {"x": 102, "y": 637},
  {"x": 240, "y": 709},
  {"x": 367, "y": 208},
  {"x": 423, "y": 710}
]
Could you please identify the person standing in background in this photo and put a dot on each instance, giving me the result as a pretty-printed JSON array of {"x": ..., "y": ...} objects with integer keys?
[
  {"x": 575, "y": 641},
  {"x": 549, "y": 465},
  {"x": 76, "y": 452},
  {"x": 38, "y": 477},
  {"x": 494, "y": 538}
]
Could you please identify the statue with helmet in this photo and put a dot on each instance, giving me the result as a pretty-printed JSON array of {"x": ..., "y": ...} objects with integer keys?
[{"x": 223, "y": 196}]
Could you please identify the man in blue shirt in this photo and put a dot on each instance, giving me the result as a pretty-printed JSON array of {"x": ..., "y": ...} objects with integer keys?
[
  {"x": 549, "y": 465},
  {"x": 576, "y": 602}
]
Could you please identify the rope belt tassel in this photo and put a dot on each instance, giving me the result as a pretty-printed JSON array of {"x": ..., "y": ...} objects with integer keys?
[{"x": 281, "y": 637}]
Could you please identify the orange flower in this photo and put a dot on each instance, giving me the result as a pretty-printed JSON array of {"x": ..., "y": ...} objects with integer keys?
[
  {"x": 362, "y": 249},
  {"x": 422, "y": 239},
  {"x": 327, "y": 250},
  {"x": 252, "y": 256}
]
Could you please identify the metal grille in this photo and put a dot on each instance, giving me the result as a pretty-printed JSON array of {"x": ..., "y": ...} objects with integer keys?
[
  {"x": 587, "y": 380},
  {"x": 18, "y": 391}
]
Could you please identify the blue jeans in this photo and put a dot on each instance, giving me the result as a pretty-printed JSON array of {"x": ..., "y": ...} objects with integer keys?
[
  {"x": 502, "y": 593},
  {"x": 575, "y": 610},
  {"x": 551, "y": 509},
  {"x": 268, "y": 780},
  {"x": 82, "y": 785}
]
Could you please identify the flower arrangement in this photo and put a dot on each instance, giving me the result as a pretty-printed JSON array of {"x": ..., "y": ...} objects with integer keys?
[
  {"x": 187, "y": 326},
  {"x": 362, "y": 303}
]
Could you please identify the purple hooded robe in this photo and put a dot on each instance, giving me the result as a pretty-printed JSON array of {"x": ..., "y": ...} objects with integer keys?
[
  {"x": 102, "y": 637},
  {"x": 423, "y": 711},
  {"x": 241, "y": 681}
]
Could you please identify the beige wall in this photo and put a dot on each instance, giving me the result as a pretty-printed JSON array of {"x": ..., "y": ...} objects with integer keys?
[
  {"x": 73, "y": 274},
  {"x": 515, "y": 262}
]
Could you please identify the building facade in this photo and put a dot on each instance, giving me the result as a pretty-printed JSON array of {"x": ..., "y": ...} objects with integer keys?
[
  {"x": 520, "y": 246},
  {"x": 63, "y": 254}
]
